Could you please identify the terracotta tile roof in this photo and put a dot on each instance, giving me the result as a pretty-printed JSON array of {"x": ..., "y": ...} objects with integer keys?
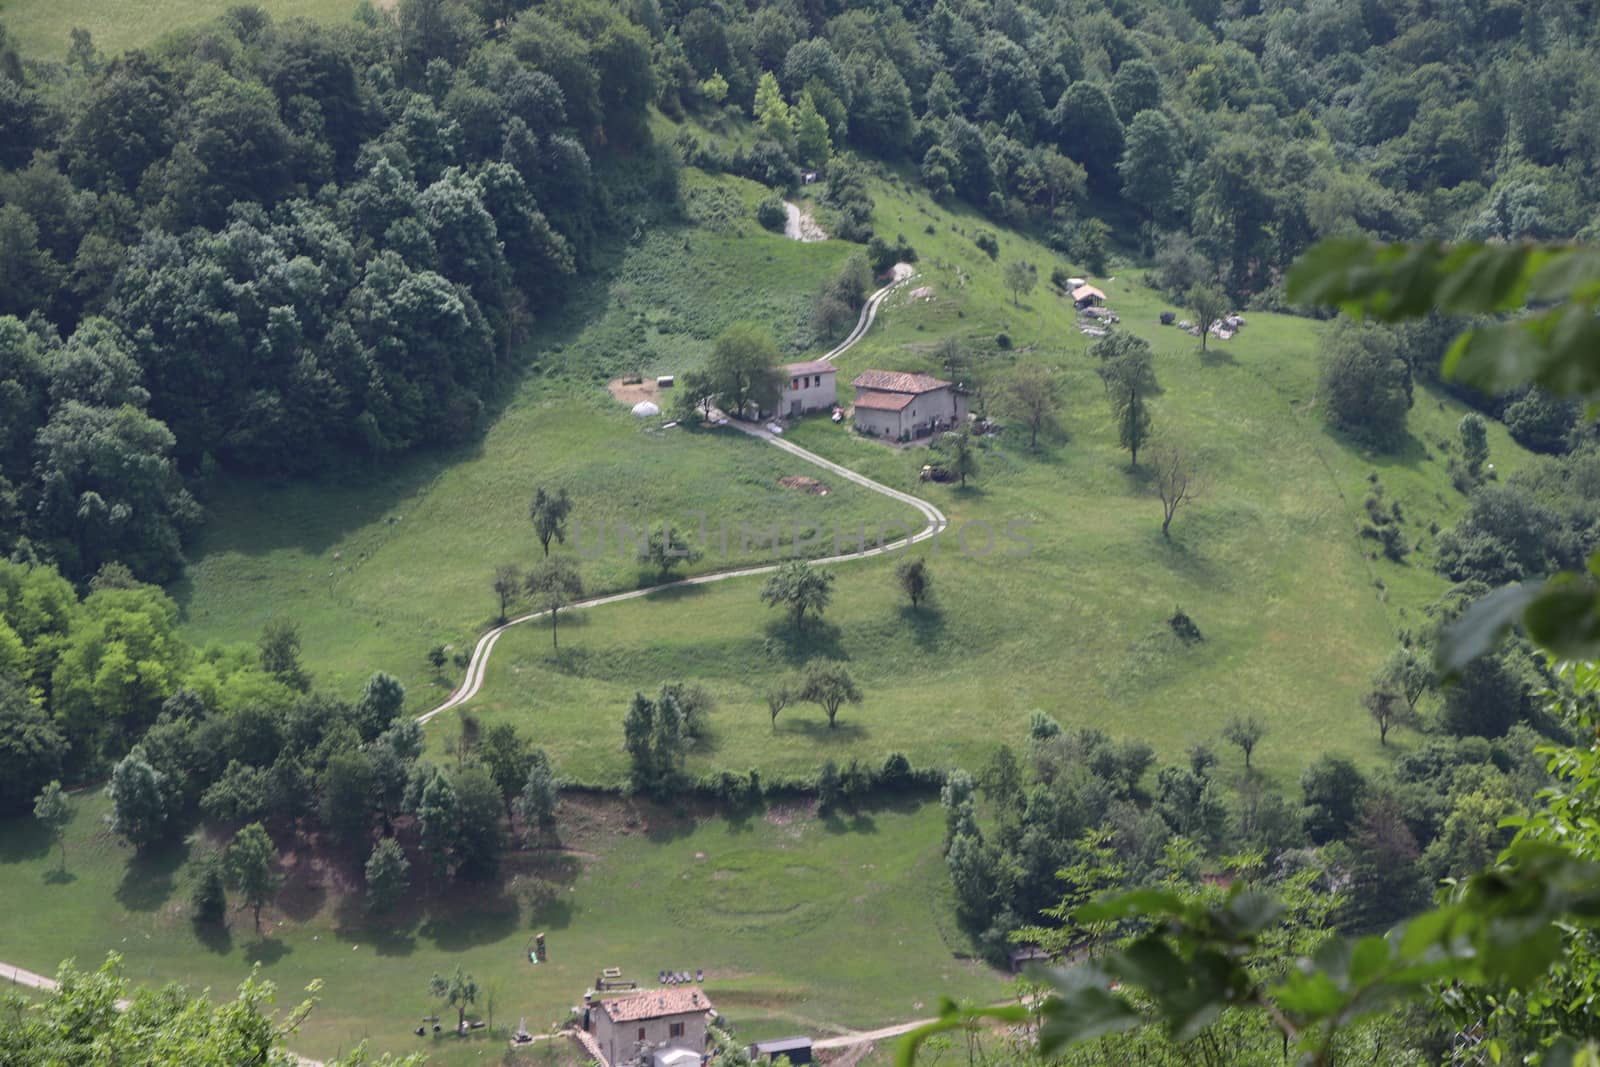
[
  {"x": 897, "y": 382},
  {"x": 880, "y": 401},
  {"x": 655, "y": 1004},
  {"x": 1087, "y": 292},
  {"x": 815, "y": 366}
]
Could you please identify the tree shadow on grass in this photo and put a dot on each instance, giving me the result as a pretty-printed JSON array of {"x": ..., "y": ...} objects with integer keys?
[
  {"x": 817, "y": 639},
  {"x": 819, "y": 732},
  {"x": 302, "y": 895},
  {"x": 149, "y": 879},
  {"x": 216, "y": 937},
  {"x": 1216, "y": 357},
  {"x": 489, "y": 916},
  {"x": 925, "y": 623},
  {"x": 670, "y": 593},
  {"x": 22, "y": 840},
  {"x": 849, "y": 822},
  {"x": 266, "y": 951},
  {"x": 59, "y": 876}
]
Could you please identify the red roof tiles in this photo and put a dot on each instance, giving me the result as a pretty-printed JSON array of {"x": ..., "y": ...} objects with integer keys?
[
  {"x": 655, "y": 1004},
  {"x": 877, "y": 401},
  {"x": 890, "y": 381}
]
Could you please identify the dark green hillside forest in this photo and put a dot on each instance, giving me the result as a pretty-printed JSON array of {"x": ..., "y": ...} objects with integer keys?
[{"x": 258, "y": 247}]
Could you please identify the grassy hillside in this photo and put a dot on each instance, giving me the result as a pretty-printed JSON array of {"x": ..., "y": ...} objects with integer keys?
[
  {"x": 378, "y": 568},
  {"x": 1295, "y": 611},
  {"x": 752, "y": 902},
  {"x": 42, "y": 28}
]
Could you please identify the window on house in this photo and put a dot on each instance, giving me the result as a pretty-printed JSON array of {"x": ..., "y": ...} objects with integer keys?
[
  {"x": 641, "y": 1033},
  {"x": 794, "y": 383},
  {"x": 675, "y": 1030}
]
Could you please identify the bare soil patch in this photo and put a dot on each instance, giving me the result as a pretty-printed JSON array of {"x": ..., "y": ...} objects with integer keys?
[
  {"x": 630, "y": 395},
  {"x": 804, "y": 483}
]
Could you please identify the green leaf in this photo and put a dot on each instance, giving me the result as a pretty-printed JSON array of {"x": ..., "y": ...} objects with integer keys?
[
  {"x": 1368, "y": 960},
  {"x": 1148, "y": 903},
  {"x": 1481, "y": 626},
  {"x": 1082, "y": 1009},
  {"x": 1310, "y": 995},
  {"x": 1565, "y": 617}
]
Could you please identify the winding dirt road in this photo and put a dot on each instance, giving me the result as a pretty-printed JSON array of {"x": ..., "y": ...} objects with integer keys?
[{"x": 477, "y": 667}]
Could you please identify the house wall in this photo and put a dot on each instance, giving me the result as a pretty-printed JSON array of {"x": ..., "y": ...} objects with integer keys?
[
  {"x": 814, "y": 392},
  {"x": 878, "y": 423},
  {"x": 618, "y": 1040}
]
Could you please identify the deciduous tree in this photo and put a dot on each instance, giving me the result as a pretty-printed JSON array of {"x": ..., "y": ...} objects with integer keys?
[
  {"x": 799, "y": 588},
  {"x": 54, "y": 812},
  {"x": 1176, "y": 476},
  {"x": 252, "y": 871},
  {"x": 915, "y": 580},
  {"x": 549, "y": 512},
  {"x": 388, "y": 876},
  {"x": 459, "y": 991},
  {"x": 1246, "y": 731},
  {"x": 555, "y": 585},
  {"x": 1209, "y": 304},
  {"x": 1033, "y": 395},
  {"x": 668, "y": 547},
  {"x": 1129, "y": 375},
  {"x": 1020, "y": 277},
  {"x": 507, "y": 584},
  {"x": 827, "y": 684}
]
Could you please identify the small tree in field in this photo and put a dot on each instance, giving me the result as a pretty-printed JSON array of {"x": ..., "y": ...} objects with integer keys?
[
  {"x": 1176, "y": 479},
  {"x": 1210, "y": 304},
  {"x": 438, "y": 657},
  {"x": 459, "y": 991},
  {"x": 778, "y": 698},
  {"x": 555, "y": 585},
  {"x": 1020, "y": 277},
  {"x": 507, "y": 584},
  {"x": 549, "y": 511},
  {"x": 828, "y": 685},
  {"x": 960, "y": 454},
  {"x": 1406, "y": 673},
  {"x": 1033, "y": 395},
  {"x": 209, "y": 896},
  {"x": 915, "y": 579},
  {"x": 1245, "y": 731},
  {"x": 541, "y": 792},
  {"x": 800, "y": 588},
  {"x": 388, "y": 876},
  {"x": 249, "y": 861},
  {"x": 667, "y": 548},
  {"x": 1388, "y": 709},
  {"x": 54, "y": 812}
]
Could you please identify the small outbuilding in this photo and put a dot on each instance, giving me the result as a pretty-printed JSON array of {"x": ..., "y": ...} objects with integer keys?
[
  {"x": 1088, "y": 296},
  {"x": 798, "y": 1049}
]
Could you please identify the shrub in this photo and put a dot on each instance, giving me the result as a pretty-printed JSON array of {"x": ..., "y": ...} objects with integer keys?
[
  {"x": 772, "y": 214},
  {"x": 1002, "y": 341},
  {"x": 987, "y": 242}
]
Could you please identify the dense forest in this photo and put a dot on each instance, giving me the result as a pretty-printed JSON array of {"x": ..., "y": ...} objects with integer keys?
[{"x": 256, "y": 247}]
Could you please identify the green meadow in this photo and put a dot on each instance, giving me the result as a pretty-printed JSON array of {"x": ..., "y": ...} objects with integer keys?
[
  {"x": 1296, "y": 609},
  {"x": 755, "y": 902},
  {"x": 42, "y": 29}
]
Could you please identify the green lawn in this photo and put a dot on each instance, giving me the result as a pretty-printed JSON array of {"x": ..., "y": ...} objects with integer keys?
[
  {"x": 378, "y": 567},
  {"x": 41, "y": 29},
  {"x": 1295, "y": 611},
  {"x": 802, "y": 925}
]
